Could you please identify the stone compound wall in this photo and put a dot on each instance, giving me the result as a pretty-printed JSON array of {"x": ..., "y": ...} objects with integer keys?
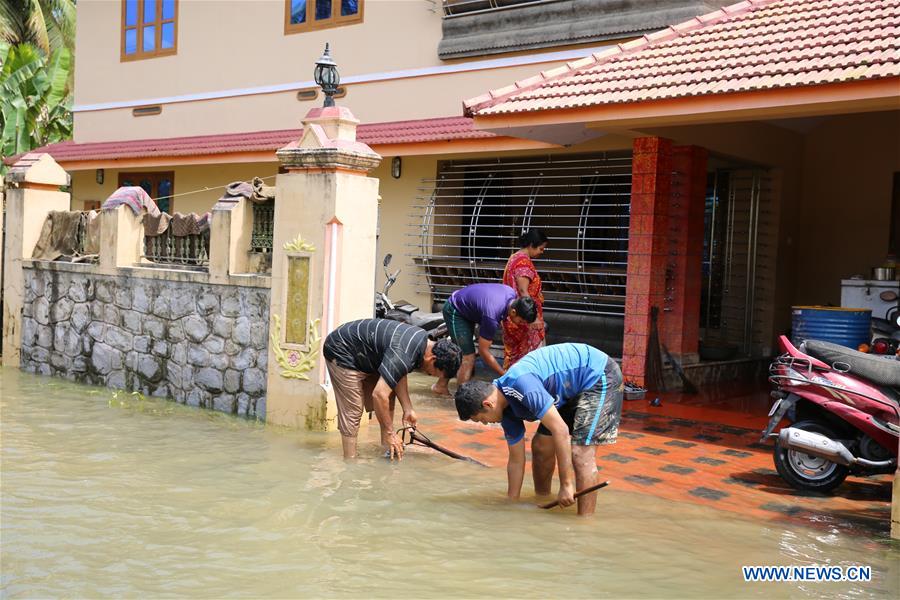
[{"x": 199, "y": 344}]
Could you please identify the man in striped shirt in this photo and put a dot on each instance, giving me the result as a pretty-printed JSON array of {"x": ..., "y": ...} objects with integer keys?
[{"x": 368, "y": 361}]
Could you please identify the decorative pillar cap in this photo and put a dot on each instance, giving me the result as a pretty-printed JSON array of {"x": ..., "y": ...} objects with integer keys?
[
  {"x": 38, "y": 168},
  {"x": 340, "y": 150}
]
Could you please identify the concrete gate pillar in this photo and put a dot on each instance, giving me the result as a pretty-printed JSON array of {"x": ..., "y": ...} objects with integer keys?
[
  {"x": 32, "y": 191},
  {"x": 323, "y": 262}
]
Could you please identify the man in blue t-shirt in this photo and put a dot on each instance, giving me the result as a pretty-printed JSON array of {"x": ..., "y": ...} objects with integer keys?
[
  {"x": 575, "y": 391},
  {"x": 486, "y": 305}
]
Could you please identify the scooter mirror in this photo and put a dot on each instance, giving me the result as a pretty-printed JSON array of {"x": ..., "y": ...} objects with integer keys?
[{"x": 387, "y": 259}]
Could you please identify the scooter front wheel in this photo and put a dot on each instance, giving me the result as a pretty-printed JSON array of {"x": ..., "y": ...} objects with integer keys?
[{"x": 806, "y": 472}]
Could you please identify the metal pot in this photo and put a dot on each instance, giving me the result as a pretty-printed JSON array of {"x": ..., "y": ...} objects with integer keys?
[{"x": 883, "y": 273}]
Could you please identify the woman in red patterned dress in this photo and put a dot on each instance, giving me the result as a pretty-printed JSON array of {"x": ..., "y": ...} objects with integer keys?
[{"x": 520, "y": 274}]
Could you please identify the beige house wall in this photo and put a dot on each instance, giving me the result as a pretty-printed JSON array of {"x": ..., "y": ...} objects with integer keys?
[
  {"x": 843, "y": 229},
  {"x": 397, "y": 199},
  {"x": 218, "y": 51},
  {"x": 395, "y": 100},
  {"x": 245, "y": 41}
]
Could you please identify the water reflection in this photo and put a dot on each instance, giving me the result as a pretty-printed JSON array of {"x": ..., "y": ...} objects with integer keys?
[{"x": 106, "y": 496}]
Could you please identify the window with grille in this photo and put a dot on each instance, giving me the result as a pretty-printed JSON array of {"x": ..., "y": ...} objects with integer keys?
[{"x": 468, "y": 219}]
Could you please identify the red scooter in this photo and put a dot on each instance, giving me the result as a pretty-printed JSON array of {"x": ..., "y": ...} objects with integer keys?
[{"x": 844, "y": 413}]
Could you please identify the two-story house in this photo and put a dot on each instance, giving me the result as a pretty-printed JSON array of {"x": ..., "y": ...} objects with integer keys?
[
  {"x": 787, "y": 98},
  {"x": 184, "y": 96}
]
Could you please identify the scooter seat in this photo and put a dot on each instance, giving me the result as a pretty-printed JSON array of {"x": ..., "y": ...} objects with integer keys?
[
  {"x": 426, "y": 321},
  {"x": 879, "y": 370}
]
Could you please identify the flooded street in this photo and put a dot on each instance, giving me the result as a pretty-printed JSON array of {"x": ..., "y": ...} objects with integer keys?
[{"x": 129, "y": 497}]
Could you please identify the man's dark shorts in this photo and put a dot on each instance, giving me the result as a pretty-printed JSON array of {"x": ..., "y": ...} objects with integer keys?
[
  {"x": 462, "y": 331},
  {"x": 593, "y": 416}
]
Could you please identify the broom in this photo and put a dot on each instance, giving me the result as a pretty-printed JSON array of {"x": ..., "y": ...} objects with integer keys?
[
  {"x": 653, "y": 363},
  {"x": 686, "y": 385}
]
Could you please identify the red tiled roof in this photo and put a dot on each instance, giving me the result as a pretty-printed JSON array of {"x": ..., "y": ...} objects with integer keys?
[
  {"x": 396, "y": 132},
  {"x": 749, "y": 46}
]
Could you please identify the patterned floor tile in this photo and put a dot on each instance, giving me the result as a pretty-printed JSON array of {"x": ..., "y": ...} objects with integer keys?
[
  {"x": 709, "y": 461},
  {"x": 643, "y": 479},
  {"x": 476, "y": 446},
  {"x": 737, "y": 453},
  {"x": 744, "y": 481},
  {"x": 785, "y": 509},
  {"x": 708, "y": 493},
  {"x": 683, "y": 422},
  {"x": 678, "y": 469},
  {"x": 649, "y": 450},
  {"x": 680, "y": 444},
  {"x": 730, "y": 430},
  {"x": 619, "y": 458},
  {"x": 657, "y": 429}
]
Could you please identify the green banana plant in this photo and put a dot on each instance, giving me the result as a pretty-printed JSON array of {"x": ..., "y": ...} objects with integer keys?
[{"x": 35, "y": 103}]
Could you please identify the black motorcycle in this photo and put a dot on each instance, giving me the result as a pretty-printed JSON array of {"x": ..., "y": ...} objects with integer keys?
[{"x": 405, "y": 312}]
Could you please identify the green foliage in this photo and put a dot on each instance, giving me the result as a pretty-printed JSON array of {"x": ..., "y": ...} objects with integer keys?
[
  {"x": 46, "y": 24},
  {"x": 35, "y": 104}
]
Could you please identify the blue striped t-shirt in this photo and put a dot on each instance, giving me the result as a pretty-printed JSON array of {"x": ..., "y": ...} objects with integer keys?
[{"x": 550, "y": 375}]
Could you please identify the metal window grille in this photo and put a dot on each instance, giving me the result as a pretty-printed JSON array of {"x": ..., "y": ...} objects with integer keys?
[
  {"x": 185, "y": 251},
  {"x": 454, "y": 8},
  {"x": 467, "y": 222},
  {"x": 263, "y": 226}
]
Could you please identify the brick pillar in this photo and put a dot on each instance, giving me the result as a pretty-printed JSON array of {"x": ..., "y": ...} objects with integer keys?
[
  {"x": 680, "y": 319},
  {"x": 648, "y": 248}
]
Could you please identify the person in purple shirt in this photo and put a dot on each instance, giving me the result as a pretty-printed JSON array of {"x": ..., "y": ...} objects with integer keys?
[
  {"x": 486, "y": 305},
  {"x": 575, "y": 391}
]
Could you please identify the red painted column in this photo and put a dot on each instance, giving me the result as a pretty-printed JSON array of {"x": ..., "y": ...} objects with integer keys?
[
  {"x": 680, "y": 319},
  {"x": 648, "y": 248}
]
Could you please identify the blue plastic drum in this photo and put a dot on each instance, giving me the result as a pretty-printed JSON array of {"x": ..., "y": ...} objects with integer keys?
[{"x": 848, "y": 327}]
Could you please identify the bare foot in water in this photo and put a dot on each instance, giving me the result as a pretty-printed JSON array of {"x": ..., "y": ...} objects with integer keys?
[{"x": 440, "y": 391}]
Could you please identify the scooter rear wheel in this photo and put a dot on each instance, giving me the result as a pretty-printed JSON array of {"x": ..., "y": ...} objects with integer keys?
[{"x": 806, "y": 472}]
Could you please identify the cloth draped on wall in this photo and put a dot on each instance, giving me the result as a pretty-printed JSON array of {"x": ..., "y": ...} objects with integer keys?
[
  {"x": 190, "y": 224},
  {"x": 62, "y": 232},
  {"x": 519, "y": 340},
  {"x": 178, "y": 225},
  {"x": 254, "y": 190},
  {"x": 135, "y": 198},
  {"x": 155, "y": 225}
]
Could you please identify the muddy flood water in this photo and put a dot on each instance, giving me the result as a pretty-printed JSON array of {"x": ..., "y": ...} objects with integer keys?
[{"x": 107, "y": 496}]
